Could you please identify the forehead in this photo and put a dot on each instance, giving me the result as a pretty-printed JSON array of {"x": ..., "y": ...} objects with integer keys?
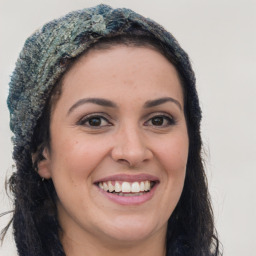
[{"x": 122, "y": 69}]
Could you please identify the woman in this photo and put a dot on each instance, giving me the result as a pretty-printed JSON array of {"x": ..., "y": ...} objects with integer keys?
[{"x": 106, "y": 124}]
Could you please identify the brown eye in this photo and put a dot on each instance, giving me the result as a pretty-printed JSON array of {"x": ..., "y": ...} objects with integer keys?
[
  {"x": 94, "y": 122},
  {"x": 160, "y": 121}
]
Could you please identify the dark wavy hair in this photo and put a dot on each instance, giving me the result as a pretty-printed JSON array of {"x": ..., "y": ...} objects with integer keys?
[{"x": 191, "y": 229}]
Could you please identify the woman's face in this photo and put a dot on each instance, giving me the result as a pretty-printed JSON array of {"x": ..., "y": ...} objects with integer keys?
[{"x": 119, "y": 145}]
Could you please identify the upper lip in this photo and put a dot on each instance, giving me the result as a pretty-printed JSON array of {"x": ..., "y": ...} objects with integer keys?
[{"x": 129, "y": 178}]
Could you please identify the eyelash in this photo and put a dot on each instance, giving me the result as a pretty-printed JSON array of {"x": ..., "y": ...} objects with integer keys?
[{"x": 163, "y": 118}]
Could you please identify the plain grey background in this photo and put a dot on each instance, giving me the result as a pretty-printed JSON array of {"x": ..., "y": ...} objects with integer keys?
[{"x": 220, "y": 38}]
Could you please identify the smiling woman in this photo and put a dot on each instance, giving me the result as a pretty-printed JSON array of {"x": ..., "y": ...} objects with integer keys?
[
  {"x": 116, "y": 156},
  {"x": 107, "y": 143}
]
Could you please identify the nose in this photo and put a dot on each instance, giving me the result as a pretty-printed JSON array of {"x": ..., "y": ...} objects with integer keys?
[{"x": 130, "y": 147}]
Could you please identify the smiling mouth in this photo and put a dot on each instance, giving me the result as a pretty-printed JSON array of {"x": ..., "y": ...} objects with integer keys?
[{"x": 125, "y": 188}]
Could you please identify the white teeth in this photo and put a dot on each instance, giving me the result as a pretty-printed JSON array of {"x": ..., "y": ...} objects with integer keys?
[
  {"x": 142, "y": 186},
  {"x": 147, "y": 185},
  {"x": 105, "y": 186},
  {"x": 135, "y": 187},
  {"x": 101, "y": 185},
  {"x": 126, "y": 187},
  {"x": 111, "y": 188},
  {"x": 118, "y": 187}
]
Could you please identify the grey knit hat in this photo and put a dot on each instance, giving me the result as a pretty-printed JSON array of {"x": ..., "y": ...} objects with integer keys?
[{"x": 40, "y": 62}]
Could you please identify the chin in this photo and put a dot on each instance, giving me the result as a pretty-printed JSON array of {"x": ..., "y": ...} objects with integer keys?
[{"x": 132, "y": 229}]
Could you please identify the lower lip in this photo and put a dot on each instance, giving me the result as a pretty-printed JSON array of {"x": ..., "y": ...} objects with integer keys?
[{"x": 130, "y": 200}]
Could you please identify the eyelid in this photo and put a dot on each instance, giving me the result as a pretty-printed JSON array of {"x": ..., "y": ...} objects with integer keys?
[{"x": 158, "y": 113}]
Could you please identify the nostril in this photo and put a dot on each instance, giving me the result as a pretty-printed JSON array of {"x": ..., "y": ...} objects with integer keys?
[{"x": 124, "y": 161}]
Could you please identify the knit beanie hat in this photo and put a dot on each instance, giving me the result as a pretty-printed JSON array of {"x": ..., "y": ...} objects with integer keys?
[{"x": 40, "y": 63}]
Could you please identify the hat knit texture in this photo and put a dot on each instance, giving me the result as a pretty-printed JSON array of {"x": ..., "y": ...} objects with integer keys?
[{"x": 40, "y": 63}]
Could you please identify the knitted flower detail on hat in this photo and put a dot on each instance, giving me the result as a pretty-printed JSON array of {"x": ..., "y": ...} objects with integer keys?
[{"x": 98, "y": 23}]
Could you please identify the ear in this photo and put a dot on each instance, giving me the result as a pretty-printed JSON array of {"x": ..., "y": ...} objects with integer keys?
[{"x": 43, "y": 166}]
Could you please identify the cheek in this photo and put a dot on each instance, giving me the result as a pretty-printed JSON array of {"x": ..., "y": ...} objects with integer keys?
[
  {"x": 173, "y": 154},
  {"x": 77, "y": 156},
  {"x": 74, "y": 160},
  {"x": 172, "y": 157}
]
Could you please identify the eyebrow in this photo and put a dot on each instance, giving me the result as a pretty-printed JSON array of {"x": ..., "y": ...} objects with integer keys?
[
  {"x": 108, "y": 103},
  {"x": 98, "y": 101},
  {"x": 156, "y": 102}
]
